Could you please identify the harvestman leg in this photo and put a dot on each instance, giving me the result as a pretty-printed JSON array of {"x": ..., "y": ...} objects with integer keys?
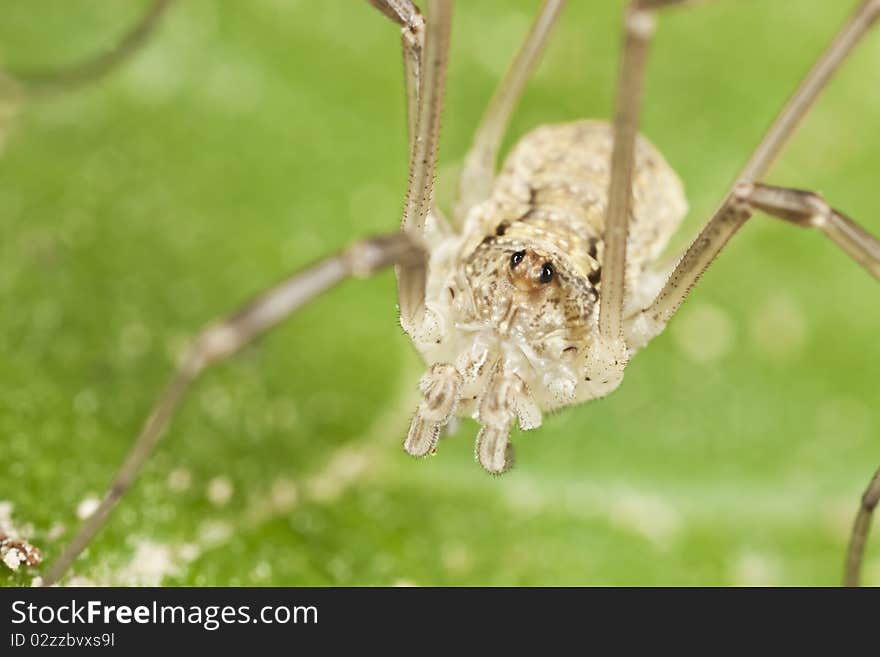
[
  {"x": 861, "y": 526},
  {"x": 430, "y": 80},
  {"x": 478, "y": 172},
  {"x": 412, "y": 37},
  {"x": 425, "y": 54},
  {"x": 40, "y": 85},
  {"x": 639, "y": 28},
  {"x": 440, "y": 386},
  {"x": 797, "y": 207},
  {"x": 651, "y": 321},
  {"x": 225, "y": 337},
  {"x": 801, "y": 209}
]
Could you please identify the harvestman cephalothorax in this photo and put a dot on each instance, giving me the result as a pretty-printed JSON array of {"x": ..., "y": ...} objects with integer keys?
[{"x": 545, "y": 282}]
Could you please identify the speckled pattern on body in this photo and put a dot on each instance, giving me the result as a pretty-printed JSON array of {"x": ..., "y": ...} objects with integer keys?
[{"x": 513, "y": 300}]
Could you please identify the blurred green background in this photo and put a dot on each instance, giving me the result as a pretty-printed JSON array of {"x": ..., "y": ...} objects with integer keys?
[{"x": 249, "y": 139}]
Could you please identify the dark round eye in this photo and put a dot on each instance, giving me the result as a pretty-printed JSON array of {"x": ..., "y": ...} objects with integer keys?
[
  {"x": 517, "y": 258},
  {"x": 546, "y": 273}
]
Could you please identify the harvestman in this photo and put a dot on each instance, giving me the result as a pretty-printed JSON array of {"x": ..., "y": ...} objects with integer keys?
[{"x": 545, "y": 283}]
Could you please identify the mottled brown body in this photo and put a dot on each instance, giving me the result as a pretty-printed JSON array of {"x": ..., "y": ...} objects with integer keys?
[
  {"x": 552, "y": 194},
  {"x": 549, "y": 204},
  {"x": 512, "y": 301}
]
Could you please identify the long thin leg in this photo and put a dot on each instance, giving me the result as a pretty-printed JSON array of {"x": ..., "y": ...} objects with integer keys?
[
  {"x": 789, "y": 118},
  {"x": 423, "y": 160},
  {"x": 44, "y": 84},
  {"x": 479, "y": 164},
  {"x": 727, "y": 219},
  {"x": 638, "y": 30},
  {"x": 426, "y": 73},
  {"x": 222, "y": 339},
  {"x": 861, "y": 527},
  {"x": 412, "y": 28},
  {"x": 797, "y": 207}
]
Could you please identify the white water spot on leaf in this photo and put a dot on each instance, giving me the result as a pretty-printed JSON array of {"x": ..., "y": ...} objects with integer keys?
[
  {"x": 262, "y": 571},
  {"x": 220, "y": 490},
  {"x": 87, "y": 507},
  {"x": 340, "y": 569},
  {"x": 179, "y": 480},
  {"x": 152, "y": 562},
  {"x": 457, "y": 559},
  {"x": 778, "y": 327},
  {"x": 214, "y": 532},
  {"x": 56, "y": 531},
  {"x": 704, "y": 333},
  {"x": 647, "y": 515},
  {"x": 524, "y": 497},
  {"x": 5, "y": 516},
  {"x": 756, "y": 569},
  {"x": 342, "y": 470},
  {"x": 284, "y": 494},
  {"x": 189, "y": 552}
]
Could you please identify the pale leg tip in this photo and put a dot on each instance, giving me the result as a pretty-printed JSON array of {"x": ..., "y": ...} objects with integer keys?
[
  {"x": 422, "y": 437},
  {"x": 494, "y": 451}
]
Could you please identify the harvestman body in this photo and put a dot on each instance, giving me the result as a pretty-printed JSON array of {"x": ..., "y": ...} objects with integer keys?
[
  {"x": 511, "y": 326},
  {"x": 545, "y": 283}
]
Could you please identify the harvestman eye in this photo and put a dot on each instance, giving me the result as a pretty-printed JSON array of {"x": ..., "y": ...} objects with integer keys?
[{"x": 486, "y": 387}]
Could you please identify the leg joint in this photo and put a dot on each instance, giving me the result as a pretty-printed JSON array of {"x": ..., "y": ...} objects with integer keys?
[
  {"x": 802, "y": 208},
  {"x": 403, "y": 12},
  {"x": 872, "y": 494},
  {"x": 639, "y": 20},
  {"x": 368, "y": 256}
]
